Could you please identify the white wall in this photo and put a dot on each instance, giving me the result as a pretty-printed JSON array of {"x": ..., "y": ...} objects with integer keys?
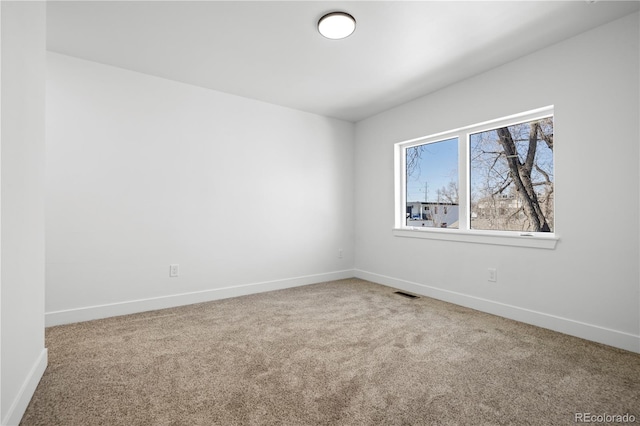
[
  {"x": 23, "y": 357},
  {"x": 589, "y": 285},
  {"x": 144, "y": 172}
]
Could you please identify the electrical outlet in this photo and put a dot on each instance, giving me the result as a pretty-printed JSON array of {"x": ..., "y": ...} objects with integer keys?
[
  {"x": 339, "y": 253},
  {"x": 174, "y": 270},
  {"x": 493, "y": 275}
]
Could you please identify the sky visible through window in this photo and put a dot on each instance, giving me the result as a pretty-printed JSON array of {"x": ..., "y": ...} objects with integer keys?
[
  {"x": 498, "y": 200},
  {"x": 434, "y": 166}
]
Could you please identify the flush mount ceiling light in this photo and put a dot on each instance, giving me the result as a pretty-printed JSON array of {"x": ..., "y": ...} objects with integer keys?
[{"x": 336, "y": 25}]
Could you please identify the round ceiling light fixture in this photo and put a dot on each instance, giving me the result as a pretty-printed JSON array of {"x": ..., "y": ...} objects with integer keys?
[{"x": 336, "y": 25}]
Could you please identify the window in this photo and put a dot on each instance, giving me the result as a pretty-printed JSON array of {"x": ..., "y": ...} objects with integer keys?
[
  {"x": 511, "y": 177},
  {"x": 494, "y": 179},
  {"x": 431, "y": 176}
]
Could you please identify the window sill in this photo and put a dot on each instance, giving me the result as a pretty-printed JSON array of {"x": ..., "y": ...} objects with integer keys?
[{"x": 513, "y": 239}]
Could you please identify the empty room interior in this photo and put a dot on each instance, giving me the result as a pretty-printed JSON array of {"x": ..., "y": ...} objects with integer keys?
[{"x": 309, "y": 212}]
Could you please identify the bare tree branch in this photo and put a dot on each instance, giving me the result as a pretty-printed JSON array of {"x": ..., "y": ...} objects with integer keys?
[{"x": 521, "y": 176}]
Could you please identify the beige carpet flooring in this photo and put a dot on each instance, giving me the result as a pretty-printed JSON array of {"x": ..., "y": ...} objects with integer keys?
[{"x": 339, "y": 353}]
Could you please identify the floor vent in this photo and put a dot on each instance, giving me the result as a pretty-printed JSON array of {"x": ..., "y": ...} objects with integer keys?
[{"x": 407, "y": 295}]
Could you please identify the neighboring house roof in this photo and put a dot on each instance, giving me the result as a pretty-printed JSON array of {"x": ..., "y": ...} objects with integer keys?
[{"x": 432, "y": 203}]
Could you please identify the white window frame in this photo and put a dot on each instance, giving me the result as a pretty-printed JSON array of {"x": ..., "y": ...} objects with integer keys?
[{"x": 464, "y": 233}]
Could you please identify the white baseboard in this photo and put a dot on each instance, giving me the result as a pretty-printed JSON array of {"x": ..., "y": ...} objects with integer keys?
[
  {"x": 20, "y": 404},
  {"x": 583, "y": 330},
  {"x": 134, "y": 306},
  {"x": 571, "y": 327}
]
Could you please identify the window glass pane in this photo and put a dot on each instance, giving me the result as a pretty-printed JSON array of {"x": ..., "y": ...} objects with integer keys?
[
  {"x": 511, "y": 177},
  {"x": 432, "y": 181}
]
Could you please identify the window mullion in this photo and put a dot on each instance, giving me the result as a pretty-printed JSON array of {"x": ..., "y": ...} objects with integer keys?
[{"x": 464, "y": 199}]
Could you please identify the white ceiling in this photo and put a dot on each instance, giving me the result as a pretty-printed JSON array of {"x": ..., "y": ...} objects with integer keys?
[{"x": 271, "y": 51}]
